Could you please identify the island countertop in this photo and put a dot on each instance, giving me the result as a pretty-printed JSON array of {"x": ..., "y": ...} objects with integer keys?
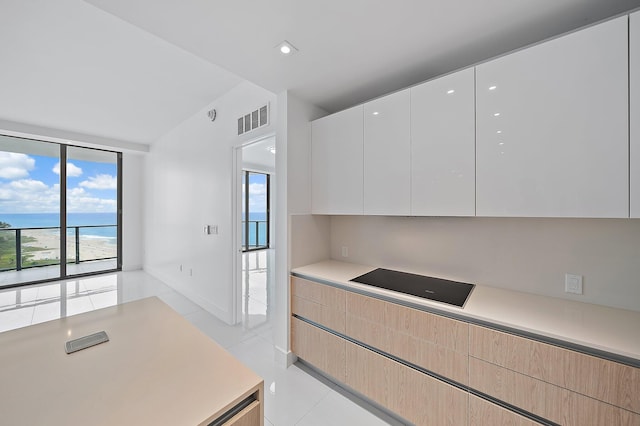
[
  {"x": 601, "y": 330},
  {"x": 156, "y": 368}
]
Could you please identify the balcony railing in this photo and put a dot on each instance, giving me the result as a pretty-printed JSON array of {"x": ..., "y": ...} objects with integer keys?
[
  {"x": 258, "y": 235},
  {"x": 22, "y": 248}
]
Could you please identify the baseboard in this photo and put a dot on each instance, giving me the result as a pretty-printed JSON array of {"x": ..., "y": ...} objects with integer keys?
[
  {"x": 128, "y": 268},
  {"x": 284, "y": 358},
  {"x": 195, "y": 298}
]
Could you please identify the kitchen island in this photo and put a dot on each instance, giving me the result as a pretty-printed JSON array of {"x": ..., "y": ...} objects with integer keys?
[{"x": 156, "y": 368}]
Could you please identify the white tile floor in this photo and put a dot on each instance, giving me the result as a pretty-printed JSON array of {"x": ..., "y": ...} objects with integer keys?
[
  {"x": 51, "y": 272},
  {"x": 293, "y": 396}
]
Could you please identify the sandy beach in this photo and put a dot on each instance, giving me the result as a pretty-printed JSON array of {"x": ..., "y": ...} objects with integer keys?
[{"x": 91, "y": 248}]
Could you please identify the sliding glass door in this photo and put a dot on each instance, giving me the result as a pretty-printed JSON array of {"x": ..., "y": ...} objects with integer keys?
[
  {"x": 58, "y": 211},
  {"x": 91, "y": 213}
]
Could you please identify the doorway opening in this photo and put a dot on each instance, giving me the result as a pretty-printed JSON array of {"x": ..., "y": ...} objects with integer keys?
[{"x": 255, "y": 261}]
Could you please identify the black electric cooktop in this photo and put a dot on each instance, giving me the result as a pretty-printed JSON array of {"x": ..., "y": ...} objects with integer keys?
[{"x": 451, "y": 292}]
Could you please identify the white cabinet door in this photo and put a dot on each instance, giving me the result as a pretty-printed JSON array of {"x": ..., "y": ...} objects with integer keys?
[
  {"x": 387, "y": 155},
  {"x": 336, "y": 163},
  {"x": 443, "y": 146},
  {"x": 634, "y": 149},
  {"x": 552, "y": 128}
]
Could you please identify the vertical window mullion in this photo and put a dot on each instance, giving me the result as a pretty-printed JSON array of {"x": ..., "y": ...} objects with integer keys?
[
  {"x": 246, "y": 210},
  {"x": 119, "y": 211},
  {"x": 268, "y": 242},
  {"x": 63, "y": 211}
]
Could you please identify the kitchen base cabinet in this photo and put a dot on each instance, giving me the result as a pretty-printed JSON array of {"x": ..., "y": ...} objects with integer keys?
[
  {"x": 319, "y": 348},
  {"x": 484, "y": 413},
  {"x": 432, "y": 342},
  {"x": 411, "y": 394},
  {"x": 319, "y": 303},
  {"x": 431, "y": 369},
  {"x": 548, "y": 401},
  {"x": 607, "y": 381}
]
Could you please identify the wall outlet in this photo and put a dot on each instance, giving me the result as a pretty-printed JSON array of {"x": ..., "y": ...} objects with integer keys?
[
  {"x": 214, "y": 229},
  {"x": 573, "y": 283},
  {"x": 345, "y": 251}
]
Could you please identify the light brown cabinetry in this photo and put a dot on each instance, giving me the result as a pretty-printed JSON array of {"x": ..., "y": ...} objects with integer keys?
[
  {"x": 484, "y": 413},
  {"x": 250, "y": 416},
  {"x": 318, "y": 347},
  {"x": 411, "y": 394},
  {"x": 546, "y": 400},
  {"x": 319, "y": 303},
  {"x": 433, "y": 342},
  {"x": 396, "y": 356},
  {"x": 604, "y": 380}
]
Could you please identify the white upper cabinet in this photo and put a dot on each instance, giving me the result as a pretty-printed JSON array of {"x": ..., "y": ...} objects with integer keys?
[
  {"x": 336, "y": 163},
  {"x": 387, "y": 155},
  {"x": 443, "y": 146},
  {"x": 552, "y": 127},
  {"x": 634, "y": 149}
]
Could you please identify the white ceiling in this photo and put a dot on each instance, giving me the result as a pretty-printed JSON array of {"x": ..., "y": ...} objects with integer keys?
[
  {"x": 70, "y": 66},
  {"x": 354, "y": 50},
  {"x": 134, "y": 69}
]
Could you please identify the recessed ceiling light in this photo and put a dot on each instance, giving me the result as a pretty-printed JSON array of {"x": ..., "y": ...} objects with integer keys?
[
  {"x": 286, "y": 48},
  {"x": 492, "y": 87},
  {"x": 450, "y": 91},
  {"x": 375, "y": 113},
  {"x": 497, "y": 114}
]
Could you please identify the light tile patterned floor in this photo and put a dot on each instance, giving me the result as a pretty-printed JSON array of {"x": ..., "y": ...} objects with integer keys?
[{"x": 293, "y": 396}]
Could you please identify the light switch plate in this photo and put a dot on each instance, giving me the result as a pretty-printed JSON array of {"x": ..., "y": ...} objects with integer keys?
[{"x": 573, "y": 283}]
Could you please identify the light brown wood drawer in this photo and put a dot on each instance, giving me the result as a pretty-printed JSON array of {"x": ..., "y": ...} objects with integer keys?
[
  {"x": 319, "y": 303},
  {"x": 485, "y": 413},
  {"x": 324, "y": 315},
  {"x": 414, "y": 396},
  {"x": 435, "y": 343},
  {"x": 436, "y": 329},
  {"x": 320, "y": 293},
  {"x": 604, "y": 380},
  {"x": 546, "y": 400},
  {"x": 438, "y": 359},
  {"x": 250, "y": 416},
  {"x": 319, "y": 348}
]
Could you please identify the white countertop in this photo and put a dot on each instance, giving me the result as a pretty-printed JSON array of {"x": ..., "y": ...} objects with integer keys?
[
  {"x": 157, "y": 368},
  {"x": 599, "y": 327}
]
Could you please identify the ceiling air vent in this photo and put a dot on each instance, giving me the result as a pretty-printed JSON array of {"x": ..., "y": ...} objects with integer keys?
[{"x": 253, "y": 120}]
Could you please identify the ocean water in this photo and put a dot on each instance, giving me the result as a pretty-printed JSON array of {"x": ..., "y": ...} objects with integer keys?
[
  {"x": 260, "y": 217},
  {"x": 46, "y": 220}
]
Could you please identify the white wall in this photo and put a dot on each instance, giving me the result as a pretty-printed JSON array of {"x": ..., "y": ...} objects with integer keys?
[
  {"x": 132, "y": 213},
  {"x": 530, "y": 255},
  {"x": 188, "y": 184},
  {"x": 293, "y": 162}
]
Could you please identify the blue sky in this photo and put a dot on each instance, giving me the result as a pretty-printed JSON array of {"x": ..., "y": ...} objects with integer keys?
[
  {"x": 31, "y": 184},
  {"x": 257, "y": 193}
]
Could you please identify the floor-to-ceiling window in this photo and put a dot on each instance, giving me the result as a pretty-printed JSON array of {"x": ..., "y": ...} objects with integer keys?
[
  {"x": 57, "y": 202},
  {"x": 255, "y": 210}
]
